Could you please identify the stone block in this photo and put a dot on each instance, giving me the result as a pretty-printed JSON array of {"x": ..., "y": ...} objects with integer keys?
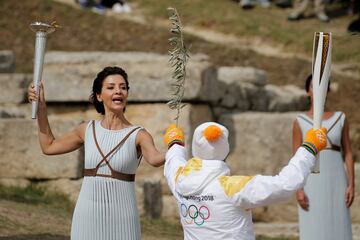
[
  {"x": 286, "y": 98},
  {"x": 246, "y": 89},
  {"x": 235, "y": 97},
  {"x": 7, "y": 61},
  {"x": 242, "y": 75},
  {"x": 69, "y": 76},
  {"x": 169, "y": 204},
  {"x": 153, "y": 204},
  {"x": 257, "y": 97},
  {"x": 21, "y": 156},
  {"x": 14, "y": 182},
  {"x": 13, "y": 88},
  {"x": 68, "y": 187},
  {"x": 260, "y": 142},
  {"x": 15, "y": 111}
]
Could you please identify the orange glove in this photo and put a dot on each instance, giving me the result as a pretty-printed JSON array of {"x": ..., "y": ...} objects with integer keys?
[
  {"x": 173, "y": 135},
  {"x": 315, "y": 140}
]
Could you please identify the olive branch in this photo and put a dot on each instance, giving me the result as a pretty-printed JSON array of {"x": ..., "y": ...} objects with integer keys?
[{"x": 178, "y": 59}]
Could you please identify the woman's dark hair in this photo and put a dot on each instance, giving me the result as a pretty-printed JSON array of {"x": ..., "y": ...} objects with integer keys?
[
  {"x": 98, "y": 83},
  {"x": 308, "y": 82}
]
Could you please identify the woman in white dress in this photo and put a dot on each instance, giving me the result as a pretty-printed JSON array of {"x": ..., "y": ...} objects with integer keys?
[
  {"x": 326, "y": 198},
  {"x": 106, "y": 207}
]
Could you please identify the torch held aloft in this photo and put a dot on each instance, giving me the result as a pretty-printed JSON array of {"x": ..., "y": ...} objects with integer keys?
[{"x": 41, "y": 30}]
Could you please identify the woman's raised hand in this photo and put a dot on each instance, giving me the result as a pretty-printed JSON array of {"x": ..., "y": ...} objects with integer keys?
[{"x": 32, "y": 96}]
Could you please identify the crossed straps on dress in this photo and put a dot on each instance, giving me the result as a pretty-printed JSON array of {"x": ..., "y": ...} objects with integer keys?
[
  {"x": 332, "y": 146},
  {"x": 92, "y": 172}
]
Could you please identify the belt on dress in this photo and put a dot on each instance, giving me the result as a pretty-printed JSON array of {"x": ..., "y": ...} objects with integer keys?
[
  {"x": 334, "y": 148},
  {"x": 92, "y": 172}
]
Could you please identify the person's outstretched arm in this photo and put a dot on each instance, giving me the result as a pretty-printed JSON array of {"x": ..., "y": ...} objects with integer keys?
[
  {"x": 148, "y": 149},
  {"x": 263, "y": 190},
  {"x": 301, "y": 196},
  {"x": 48, "y": 143},
  {"x": 175, "y": 157}
]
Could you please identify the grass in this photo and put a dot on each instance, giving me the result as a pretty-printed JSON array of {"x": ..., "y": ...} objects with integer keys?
[
  {"x": 268, "y": 24},
  {"x": 33, "y": 213},
  {"x": 31, "y": 194},
  {"x": 159, "y": 228},
  {"x": 82, "y": 31},
  {"x": 87, "y": 31},
  {"x": 34, "y": 195}
]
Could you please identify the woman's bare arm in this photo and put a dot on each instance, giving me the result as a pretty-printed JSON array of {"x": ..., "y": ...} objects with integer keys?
[
  {"x": 148, "y": 149},
  {"x": 296, "y": 137},
  {"x": 349, "y": 162},
  {"x": 48, "y": 143}
]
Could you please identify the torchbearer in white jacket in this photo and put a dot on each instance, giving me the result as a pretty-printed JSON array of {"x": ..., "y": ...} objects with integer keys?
[{"x": 214, "y": 205}]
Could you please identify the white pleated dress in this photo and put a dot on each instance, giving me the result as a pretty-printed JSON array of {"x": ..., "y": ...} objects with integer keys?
[
  {"x": 106, "y": 208},
  {"x": 328, "y": 217}
]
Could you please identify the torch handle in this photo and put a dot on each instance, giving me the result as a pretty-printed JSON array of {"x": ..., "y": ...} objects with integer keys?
[
  {"x": 40, "y": 43},
  {"x": 318, "y": 113}
]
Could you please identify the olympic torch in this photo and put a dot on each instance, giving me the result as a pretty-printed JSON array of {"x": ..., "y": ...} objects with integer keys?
[
  {"x": 321, "y": 69},
  {"x": 42, "y": 30}
]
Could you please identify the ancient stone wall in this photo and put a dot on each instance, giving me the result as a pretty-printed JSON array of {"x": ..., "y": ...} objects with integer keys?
[{"x": 259, "y": 117}]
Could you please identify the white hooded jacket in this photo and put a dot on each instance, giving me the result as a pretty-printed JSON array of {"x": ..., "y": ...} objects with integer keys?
[{"x": 214, "y": 205}]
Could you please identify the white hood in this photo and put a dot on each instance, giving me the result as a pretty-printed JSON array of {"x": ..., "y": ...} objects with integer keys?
[{"x": 210, "y": 141}]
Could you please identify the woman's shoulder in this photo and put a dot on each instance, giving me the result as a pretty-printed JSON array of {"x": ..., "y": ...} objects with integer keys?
[
  {"x": 340, "y": 117},
  {"x": 85, "y": 124},
  {"x": 143, "y": 135},
  {"x": 340, "y": 113},
  {"x": 337, "y": 116},
  {"x": 142, "y": 131},
  {"x": 80, "y": 129}
]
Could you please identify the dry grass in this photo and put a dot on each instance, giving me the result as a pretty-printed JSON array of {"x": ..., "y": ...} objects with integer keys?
[
  {"x": 32, "y": 213},
  {"x": 268, "y": 24}
]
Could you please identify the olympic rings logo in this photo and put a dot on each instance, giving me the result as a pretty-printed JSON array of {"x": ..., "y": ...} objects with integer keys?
[{"x": 193, "y": 214}]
